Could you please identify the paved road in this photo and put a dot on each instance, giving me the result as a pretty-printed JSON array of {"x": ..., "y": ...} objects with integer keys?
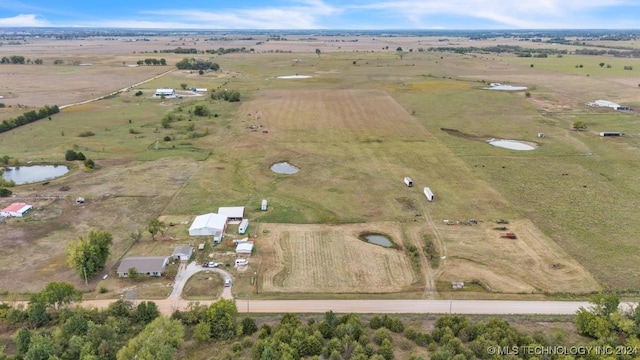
[{"x": 468, "y": 307}]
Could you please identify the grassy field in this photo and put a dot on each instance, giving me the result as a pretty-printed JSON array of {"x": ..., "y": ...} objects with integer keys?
[{"x": 362, "y": 122}]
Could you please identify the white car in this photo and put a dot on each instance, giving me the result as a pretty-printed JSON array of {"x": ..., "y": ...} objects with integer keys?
[{"x": 227, "y": 283}]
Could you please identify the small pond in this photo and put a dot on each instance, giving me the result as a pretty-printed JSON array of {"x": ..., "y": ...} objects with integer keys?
[
  {"x": 378, "y": 239},
  {"x": 284, "y": 168},
  {"x": 511, "y": 144},
  {"x": 35, "y": 173}
]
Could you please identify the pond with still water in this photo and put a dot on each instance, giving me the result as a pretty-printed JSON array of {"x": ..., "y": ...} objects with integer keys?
[
  {"x": 378, "y": 239},
  {"x": 30, "y": 174},
  {"x": 284, "y": 168}
]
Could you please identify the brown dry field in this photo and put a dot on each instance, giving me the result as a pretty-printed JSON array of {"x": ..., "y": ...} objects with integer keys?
[{"x": 331, "y": 259}]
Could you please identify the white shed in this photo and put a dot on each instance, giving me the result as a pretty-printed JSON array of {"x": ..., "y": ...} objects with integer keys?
[
  {"x": 211, "y": 224},
  {"x": 428, "y": 194},
  {"x": 263, "y": 206},
  {"x": 244, "y": 247},
  {"x": 167, "y": 93},
  {"x": 408, "y": 181}
]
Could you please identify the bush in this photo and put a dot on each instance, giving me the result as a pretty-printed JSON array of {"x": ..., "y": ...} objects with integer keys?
[
  {"x": 71, "y": 155},
  {"x": 89, "y": 164},
  {"x": 167, "y": 138},
  {"x": 381, "y": 334},
  {"x": 139, "y": 93},
  {"x": 86, "y": 134},
  {"x": 5, "y": 192}
]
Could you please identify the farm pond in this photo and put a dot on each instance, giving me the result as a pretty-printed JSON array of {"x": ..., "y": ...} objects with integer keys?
[
  {"x": 284, "y": 168},
  {"x": 377, "y": 239},
  {"x": 35, "y": 173}
]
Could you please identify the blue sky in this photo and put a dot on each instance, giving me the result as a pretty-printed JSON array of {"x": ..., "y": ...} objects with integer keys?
[{"x": 324, "y": 14}]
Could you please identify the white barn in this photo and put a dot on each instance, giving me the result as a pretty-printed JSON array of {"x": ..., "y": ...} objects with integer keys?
[
  {"x": 16, "y": 210},
  {"x": 211, "y": 224},
  {"x": 167, "y": 93}
]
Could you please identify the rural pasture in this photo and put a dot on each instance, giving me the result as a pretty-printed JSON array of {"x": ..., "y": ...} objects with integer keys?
[{"x": 365, "y": 119}]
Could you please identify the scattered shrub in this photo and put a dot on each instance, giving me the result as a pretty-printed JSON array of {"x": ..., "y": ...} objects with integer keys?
[{"x": 86, "y": 134}]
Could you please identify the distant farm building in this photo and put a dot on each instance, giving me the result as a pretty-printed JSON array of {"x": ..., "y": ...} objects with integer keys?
[
  {"x": 182, "y": 252},
  {"x": 233, "y": 213},
  {"x": 144, "y": 265},
  {"x": 609, "y": 104},
  {"x": 16, "y": 210},
  {"x": 211, "y": 224},
  {"x": 167, "y": 93},
  {"x": 263, "y": 206}
]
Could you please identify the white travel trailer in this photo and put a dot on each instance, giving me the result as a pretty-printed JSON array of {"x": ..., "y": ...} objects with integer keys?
[
  {"x": 408, "y": 181},
  {"x": 244, "y": 224},
  {"x": 263, "y": 207},
  {"x": 428, "y": 194}
]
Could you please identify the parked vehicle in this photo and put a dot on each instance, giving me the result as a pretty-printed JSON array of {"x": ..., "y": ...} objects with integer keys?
[{"x": 227, "y": 283}]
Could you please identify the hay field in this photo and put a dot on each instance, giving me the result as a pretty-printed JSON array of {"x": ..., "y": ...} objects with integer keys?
[{"x": 330, "y": 259}]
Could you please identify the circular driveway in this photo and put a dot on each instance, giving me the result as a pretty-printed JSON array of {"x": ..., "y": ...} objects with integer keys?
[{"x": 185, "y": 271}]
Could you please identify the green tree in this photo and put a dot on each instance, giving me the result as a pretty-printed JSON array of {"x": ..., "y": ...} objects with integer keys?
[
  {"x": 202, "y": 332},
  {"x": 71, "y": 155},
  {"x": 58, "y": 294},
  {"x": 249, "y": 326},
  {"x": 200, "y": 110},
  {"x": 22, "y": 338},
  {"x": 183, "y": 86},
  {"x": 154, "y": 227},
  {"x": 158, "y": 341},
  {"x": 147, "y": 311},
  {"x": 88, "y": 257},
  {"x": 580, "y": 125},
  {"x": 37, "y": 310},
  {"x": 40, "y": 348},
  {"x": 221, "y": 316},
  {"x": 318, "y": 52},
  {"x": 601, "y": 64}
]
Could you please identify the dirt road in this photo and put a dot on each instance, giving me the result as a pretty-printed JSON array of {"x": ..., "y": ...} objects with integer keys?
[{"x": 491, "y": 307}]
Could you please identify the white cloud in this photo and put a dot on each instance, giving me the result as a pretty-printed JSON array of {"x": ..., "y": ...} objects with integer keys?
[
  {"x": 518, "y": 14},
  {"x": 26, "y": 20}
]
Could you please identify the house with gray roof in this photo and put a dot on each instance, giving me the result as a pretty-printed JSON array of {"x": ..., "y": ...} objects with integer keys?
[
  {"x": 182, "y": 252},
  {"x": 144, "y": 265}
]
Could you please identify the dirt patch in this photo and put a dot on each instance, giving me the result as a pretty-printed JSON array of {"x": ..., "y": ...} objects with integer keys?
[{"x": 529, "y": 264}]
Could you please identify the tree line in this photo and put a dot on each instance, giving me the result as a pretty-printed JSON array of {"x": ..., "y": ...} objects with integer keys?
[
  {"x": 28, "y": 117},
  {"x": 49, "y": 328}
]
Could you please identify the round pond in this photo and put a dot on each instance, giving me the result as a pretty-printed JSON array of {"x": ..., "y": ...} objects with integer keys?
[
  {"x": 511, "y": 144},
  {"x": 35, "y": 173},
  {"x": 284, "y": 168}
]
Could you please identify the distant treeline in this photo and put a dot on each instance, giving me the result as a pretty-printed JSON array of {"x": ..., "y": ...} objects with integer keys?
[
  {"x": 616, "y": 53},
  {"x": 519, "y": 50},
  {"x": 196, "y": 64},
  {"x": 219, "y": 51},
  {"x": 28, "y": 117}
]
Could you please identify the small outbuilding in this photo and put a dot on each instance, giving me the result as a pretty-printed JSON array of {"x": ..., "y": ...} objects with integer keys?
[
  {"x": 408, "y": 181},
  {"x": 182, "y": 253},
  {"x": 144, "y": 265},
  {"x": 263, "y": 206},
  {"x": 244, "y": 247},
  {"x": 16, "y": 210},
  {"x": 611, "y": 133}
]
